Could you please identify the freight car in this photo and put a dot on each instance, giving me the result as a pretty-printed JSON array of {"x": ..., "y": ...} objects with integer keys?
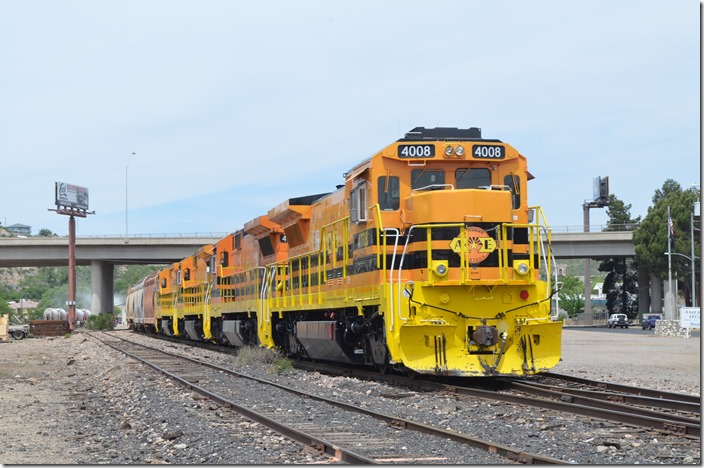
[{"x": 427, "y": 260}]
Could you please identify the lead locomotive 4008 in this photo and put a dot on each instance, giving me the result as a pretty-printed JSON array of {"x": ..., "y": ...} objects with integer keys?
[{"x": 428, "y": 260}]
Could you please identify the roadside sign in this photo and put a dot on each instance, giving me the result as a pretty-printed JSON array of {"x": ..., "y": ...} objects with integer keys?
[{"x": 689, "y": 317}]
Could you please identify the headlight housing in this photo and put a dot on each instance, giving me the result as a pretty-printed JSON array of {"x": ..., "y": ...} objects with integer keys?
[
  {"x": 521, "y": 267},
  {"x": 440, "y": 267}
]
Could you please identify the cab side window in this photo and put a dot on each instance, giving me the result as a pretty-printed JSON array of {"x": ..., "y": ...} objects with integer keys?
[
  {"x": 358, "y": 202},
  {"x": 389, "y": 193}
]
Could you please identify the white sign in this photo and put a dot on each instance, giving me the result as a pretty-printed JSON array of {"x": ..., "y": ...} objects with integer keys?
[{"x": 689, "y": 317}]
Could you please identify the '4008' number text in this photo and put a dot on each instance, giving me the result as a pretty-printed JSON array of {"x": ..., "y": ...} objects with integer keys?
[
  {"x": 488, "y": 152},
  {"x": 416, "y": 151}
]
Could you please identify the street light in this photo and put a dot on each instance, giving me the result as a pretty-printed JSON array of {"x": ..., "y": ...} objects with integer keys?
[{"x": 126, "y": 166}]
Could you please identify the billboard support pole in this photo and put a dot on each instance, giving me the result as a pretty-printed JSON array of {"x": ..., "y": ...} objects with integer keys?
[
  {"x": 71, "y": 273},
  {"x": 72, "y": 201}
]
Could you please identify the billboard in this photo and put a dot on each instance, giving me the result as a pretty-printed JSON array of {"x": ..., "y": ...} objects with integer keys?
[
  {"x": 601, "y": 188},
  {"x": 72, "y": 196}
]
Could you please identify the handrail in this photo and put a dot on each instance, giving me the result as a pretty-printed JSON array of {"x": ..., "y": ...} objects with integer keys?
[
  {"x": 206, "y": 313},
  {"x": 545, "y": 227},
  {"x": 264, "y": 306},
  {"x": 420, "y": 189},
  {"x": 381, "y": 254}
]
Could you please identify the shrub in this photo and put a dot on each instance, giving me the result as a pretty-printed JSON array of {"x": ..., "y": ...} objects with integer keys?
[
  {"x": 281, "y": 365},
  {"x": 274, "y": 361},
  {"x": 101, "y": 322},
  {"x": 252, "y": 355}
]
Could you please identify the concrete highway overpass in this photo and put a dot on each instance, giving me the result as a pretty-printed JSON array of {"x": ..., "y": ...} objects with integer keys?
[{"x": 103, "y": 253}]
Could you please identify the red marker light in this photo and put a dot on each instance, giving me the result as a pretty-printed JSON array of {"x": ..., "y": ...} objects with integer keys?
[{"x": 524, "y": 294}]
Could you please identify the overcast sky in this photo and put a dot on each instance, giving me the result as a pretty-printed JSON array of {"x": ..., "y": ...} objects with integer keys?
[{"x": 233, "y": 107}]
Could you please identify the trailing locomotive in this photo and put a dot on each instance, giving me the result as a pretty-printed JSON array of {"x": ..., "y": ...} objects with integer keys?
[{"x": 428, "y": 259}]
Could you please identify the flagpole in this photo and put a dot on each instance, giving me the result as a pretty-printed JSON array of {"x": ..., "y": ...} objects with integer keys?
[{"x": 669, "y": 266}]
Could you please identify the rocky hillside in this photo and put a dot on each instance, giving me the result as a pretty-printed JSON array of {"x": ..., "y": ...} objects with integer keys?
[{"x": 13, "y": 276}]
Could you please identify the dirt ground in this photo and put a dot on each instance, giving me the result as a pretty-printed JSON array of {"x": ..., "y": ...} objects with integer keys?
[
  {"x": 40, "y": 378},
  {"x": 643, "y": 360}
]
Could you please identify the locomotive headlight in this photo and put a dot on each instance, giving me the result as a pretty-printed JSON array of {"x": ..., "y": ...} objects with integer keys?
[
  {"x": 521, "y": 267},
  {"x": 449, "y": 150},
  {"x": 440, "y": 267},
  {"x": 460, "y": 151}
]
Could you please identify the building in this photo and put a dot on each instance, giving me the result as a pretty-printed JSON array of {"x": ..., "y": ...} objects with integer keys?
[
  {"x": 20, "y": 229},
  {"x": 23, "y": 306}
]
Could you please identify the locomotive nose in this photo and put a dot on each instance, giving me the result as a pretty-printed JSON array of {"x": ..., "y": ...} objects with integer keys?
[{"x": 442, "y": 205}]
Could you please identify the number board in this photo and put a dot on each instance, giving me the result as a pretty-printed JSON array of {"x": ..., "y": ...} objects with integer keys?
[
  {"x": 416, "y": 151},
  {"x": 488, "y": 152}
]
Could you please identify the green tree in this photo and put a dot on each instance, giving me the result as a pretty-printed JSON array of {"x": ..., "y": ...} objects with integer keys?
[
  {"x": 49, "y": 286},
  {"x": 621, "y": 286},
  {"x": 650, "y": 238},
  {"x": 34, "y": 286},
  {"x": 4, "y": 307},
  {"x": 127, "y": 277},
  {"x": 571, "y": 295},
  {"x": 45, "y": 233},
  {"x": 620, "y": 215},
  {"x": 621, "y": 281}
]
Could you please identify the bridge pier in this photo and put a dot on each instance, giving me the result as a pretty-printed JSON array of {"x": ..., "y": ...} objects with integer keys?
[{"x": 101, "y": 286}]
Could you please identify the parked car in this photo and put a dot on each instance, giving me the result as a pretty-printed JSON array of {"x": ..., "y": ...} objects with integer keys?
[
  {"x": 649, "y": 321},
  {"x": 618, "y": 320}
]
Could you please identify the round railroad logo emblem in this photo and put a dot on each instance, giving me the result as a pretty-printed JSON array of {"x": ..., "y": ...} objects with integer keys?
[{"x": 478, "y": 247}]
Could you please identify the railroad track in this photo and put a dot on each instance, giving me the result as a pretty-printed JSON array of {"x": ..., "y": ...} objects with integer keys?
[
  {"x": 347, "y": 432},
  {"x": 670, "y": 413}
]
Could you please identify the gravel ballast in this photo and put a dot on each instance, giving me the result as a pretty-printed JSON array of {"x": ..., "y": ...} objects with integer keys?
[{"x": 74, "y": 401}]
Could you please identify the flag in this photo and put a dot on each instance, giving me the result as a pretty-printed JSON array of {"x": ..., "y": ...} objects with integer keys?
[{"x": 671, "y": 226}]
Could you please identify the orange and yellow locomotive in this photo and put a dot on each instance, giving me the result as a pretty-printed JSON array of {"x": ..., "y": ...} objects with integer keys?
[{"x": 428, "y": 259}]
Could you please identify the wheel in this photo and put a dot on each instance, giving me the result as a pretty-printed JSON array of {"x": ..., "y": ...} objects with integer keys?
[
  {"x": 644, "y": 327},
  {"x": 18, "y": 334},
  {"x": 626, "y": 326}
]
